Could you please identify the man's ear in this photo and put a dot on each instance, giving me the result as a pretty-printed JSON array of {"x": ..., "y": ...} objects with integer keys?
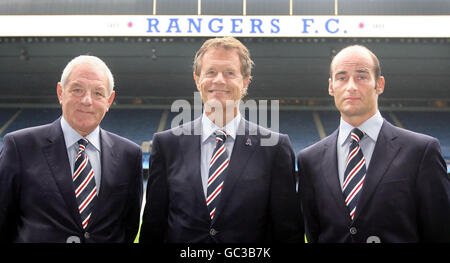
[
  {"x": 380, "y": 85},
  {"x": 246, "y": 82},
  {"x": 330, "y": 87},
  {"x": 197, "y": 81},
  {"x": 111, "y": 99},
  {"x": 59, "y": 92}
]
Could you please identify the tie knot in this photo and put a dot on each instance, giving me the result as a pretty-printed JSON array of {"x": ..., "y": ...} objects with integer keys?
[
  {"x": 83, "y": 142},
  {"x": 357, "y": 134},
  {"x": 221, "y": 135}
]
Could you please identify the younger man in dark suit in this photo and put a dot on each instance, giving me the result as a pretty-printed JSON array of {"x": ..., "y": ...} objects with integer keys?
[
  {"x": 70, "y": 180},
  {"x": 213, "y": 180},
  {"x": 370, "y": 181}
]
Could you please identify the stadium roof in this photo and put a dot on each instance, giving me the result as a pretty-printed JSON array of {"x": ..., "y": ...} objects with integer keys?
[
  {"x": 162, "y": 67},
  {"x": 414, "y": 68},
  {"x": 225, "y": 7}
]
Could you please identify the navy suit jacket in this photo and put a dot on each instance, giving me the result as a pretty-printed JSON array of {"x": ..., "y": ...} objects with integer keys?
[
  {"x": 405, "y": 195},
  {"x": 37, "y": 198},
  {"x": 258, "y": 202}
]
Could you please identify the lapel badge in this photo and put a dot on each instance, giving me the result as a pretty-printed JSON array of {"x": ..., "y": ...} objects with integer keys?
[{"x": 248, "y": 142}]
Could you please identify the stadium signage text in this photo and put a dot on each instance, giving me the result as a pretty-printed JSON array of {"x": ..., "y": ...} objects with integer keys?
[
  {"x": 239, "y": 26},
  {"x": 235, "y": 26}
]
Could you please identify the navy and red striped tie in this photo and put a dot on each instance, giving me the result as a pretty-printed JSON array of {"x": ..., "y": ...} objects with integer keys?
[
  {"x": 355, "y": 172},
  {"x": 217, "y": 172},
  {"x": 84, "y": 183}
]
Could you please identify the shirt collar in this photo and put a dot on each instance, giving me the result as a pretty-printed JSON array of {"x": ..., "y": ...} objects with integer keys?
[
  {"x": 71, "y": 136},
  {"x": 370, "y": 127},
  {"x": 209, "y": 127}
]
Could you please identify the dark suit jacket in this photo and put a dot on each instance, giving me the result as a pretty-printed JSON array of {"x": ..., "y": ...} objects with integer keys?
[
  {"x": 37, "y": 198},
  {"x": 258, "y": 201},
  {"x": 405, "y": 195}
]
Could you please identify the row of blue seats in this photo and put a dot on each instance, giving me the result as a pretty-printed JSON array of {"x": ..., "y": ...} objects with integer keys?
[{"x": 140, "y": 124}]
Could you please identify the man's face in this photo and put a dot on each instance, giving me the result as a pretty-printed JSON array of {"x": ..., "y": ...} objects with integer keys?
[
  {"x": 353, "y": 85},
  {"x": 85, "y": 98},
  {"x": 220, "y": 77}
]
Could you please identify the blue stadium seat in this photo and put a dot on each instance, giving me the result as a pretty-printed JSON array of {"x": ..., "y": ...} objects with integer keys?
[
  {"x": 330, "y": 120},
  {"x": 436, "y": 124},
  {"x": 172, "y": 115},
  {"x": 387, "y": 116},
  {"x": 33, "y": 117},
  {"x": 300, "y": 127},
  {"x": 5, "y": 115},
  {"x": 137, "y": 125},
  {"x": 28, "y": 118}
]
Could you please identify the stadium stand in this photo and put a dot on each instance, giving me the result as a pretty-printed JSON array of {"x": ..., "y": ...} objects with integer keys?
[
  {"x": 436, "y": 124},
  {"x": 330, "y": 120},
  {"x": 33, "y": 117},
  {"x": 26, "y": 118},
  {"x": 299, "y": 125},
  {"x": 139, "y": 125},
  {"x": 5, "y": 116},
  {"x": 177, "y": 115},
  {"x": 157, "y": 70}
]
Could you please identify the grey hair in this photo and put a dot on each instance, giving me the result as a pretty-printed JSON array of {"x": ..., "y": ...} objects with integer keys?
[{"x": 87, "y": 59}]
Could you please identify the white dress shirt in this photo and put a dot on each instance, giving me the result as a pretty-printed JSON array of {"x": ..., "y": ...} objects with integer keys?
[
  {"x": 371, "y": 129},
  {"x": 208, "y": 144},
  {"x": 71, "y": 138}
]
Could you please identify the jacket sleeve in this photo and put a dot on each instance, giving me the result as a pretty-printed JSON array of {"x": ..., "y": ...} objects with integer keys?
[
  {"x": 155, "y": 215},
  {"x": 306, "y": 191},
  {"x": 132, "y": 217},
  {"x": 433, "y": 195},
  {"x": 9, "y": 189},
  {"x": 285, "y": 205}
]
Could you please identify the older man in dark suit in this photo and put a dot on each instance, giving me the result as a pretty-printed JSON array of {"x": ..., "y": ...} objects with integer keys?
[
  {"x": 217, "y": 179},
  {"x": 370, "y": 181},
  {"x": 70, "y": 180}
]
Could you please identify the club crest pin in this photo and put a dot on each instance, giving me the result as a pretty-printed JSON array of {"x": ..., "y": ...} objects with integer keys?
[{"x": 248, "y": 142}]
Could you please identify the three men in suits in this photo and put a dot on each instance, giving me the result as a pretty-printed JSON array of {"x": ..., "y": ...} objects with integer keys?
[
  {"x": 370, "y": 181},
  {"x": 70, "y": 180},
  {"x": 213, "y": 180}
]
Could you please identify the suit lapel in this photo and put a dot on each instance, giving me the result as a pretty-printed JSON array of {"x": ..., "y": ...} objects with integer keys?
[
  {"x": 56, "y": 154},
  {"x": 108, "y": 159},
  {"x": 190, "y": 144},
  {"x": 242, "y": 150},
  {"x": 383, "y": 154},
  {"x": 329, "y": 169}
]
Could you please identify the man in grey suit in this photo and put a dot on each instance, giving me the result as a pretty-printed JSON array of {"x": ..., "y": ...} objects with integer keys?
[
  {"x": 70, "y": 180},
  {"x": 213, "y": 180},
  {"x": 370, "y": 181}
]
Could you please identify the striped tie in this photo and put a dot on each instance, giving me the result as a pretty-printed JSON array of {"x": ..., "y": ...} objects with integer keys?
[
  {"x": 355, "y": 172},
  {"x": 217, "y": 172},
  {"x": 84, "y": 183}
]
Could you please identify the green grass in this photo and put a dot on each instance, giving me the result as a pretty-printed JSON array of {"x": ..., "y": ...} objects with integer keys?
[{"x": 136, "y": 240}]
